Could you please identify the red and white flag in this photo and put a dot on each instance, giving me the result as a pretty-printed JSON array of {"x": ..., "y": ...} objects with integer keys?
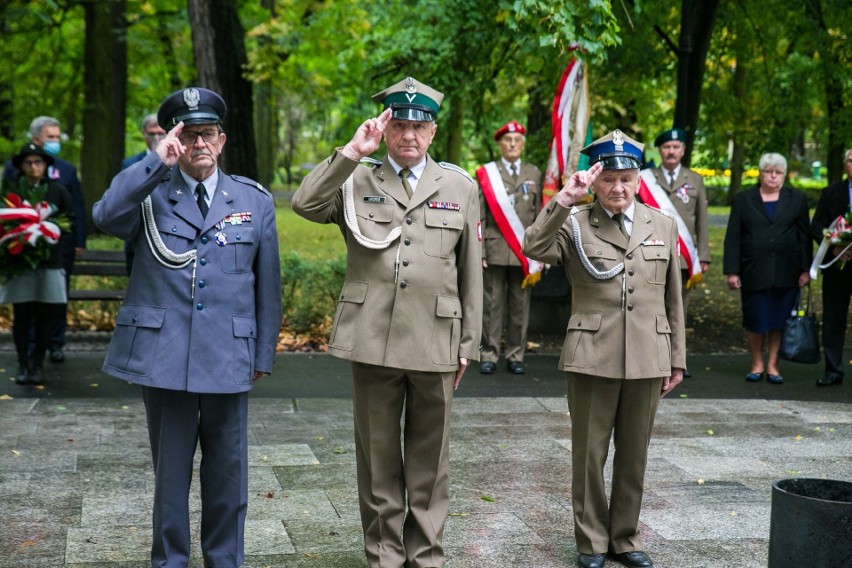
[
  {"x": 570, "y": 120},
  {"x": 655, "y": 196}
]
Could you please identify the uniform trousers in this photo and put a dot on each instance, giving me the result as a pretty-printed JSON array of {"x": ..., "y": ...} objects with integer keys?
[
  {"x": 390, "y": 473},
  {"x": 177, "y": 422},
  {"x": 601, "y": 409},
  {"x": 502, "y": 289},
  {"x": 684, "y": 291},
  {"x": 836, "y": 290}
]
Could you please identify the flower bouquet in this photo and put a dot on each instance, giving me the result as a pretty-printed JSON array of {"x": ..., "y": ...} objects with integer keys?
[
  {"x": 839, "y": 233},
  {"x": 26, "y": 235}
]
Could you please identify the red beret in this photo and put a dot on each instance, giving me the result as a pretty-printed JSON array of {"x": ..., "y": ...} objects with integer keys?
[{"x": 510, "y": 126}]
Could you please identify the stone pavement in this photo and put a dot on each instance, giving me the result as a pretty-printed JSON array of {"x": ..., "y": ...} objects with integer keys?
[{"x": 76, "y": 481}]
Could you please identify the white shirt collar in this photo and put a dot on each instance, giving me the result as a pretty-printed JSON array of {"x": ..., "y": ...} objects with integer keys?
[
  {"x": 628, "y": 213},
  {"x": 508, "y": 165},
  {"x": 675, "y": 172},
  {"x": 416, "y": 171}
]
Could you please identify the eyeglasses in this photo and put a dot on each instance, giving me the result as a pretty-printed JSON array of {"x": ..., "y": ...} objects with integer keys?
[
  {"x": 32, "y": 163},
  {"x": 188, "y": 137},
  {"x": 773, "y": 172}
]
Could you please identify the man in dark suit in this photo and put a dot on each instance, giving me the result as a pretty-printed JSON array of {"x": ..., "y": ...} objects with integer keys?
[
  {"x": 46, "y": 134},
  {"x": 200, "y": 321},
  {"x": 509, "y": 200},
  {"x": 837, "y": 279},
  {"x": 153, "y": 133}
]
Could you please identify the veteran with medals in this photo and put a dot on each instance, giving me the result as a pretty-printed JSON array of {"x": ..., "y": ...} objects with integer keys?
[
  {"x": 624, "y": 348},
  {"x": 509, "y": 200},
  {"x": 200, "y": 321},
  {"x": 408, "y": 317}
]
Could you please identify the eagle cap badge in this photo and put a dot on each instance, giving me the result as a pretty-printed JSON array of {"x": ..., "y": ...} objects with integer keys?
[
  {"x": 410, "y": 85},
  {"x": 191, "y": 97},
  {"x": 618, "y": 140}
]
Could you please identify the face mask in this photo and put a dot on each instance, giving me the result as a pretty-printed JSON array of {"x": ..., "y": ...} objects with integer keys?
[{"x": 52, "y": 147}]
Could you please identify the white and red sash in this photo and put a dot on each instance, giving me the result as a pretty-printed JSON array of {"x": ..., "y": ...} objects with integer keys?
[
  {"x": 655, "y": 196},
  {"x": 507, "y": 219}
]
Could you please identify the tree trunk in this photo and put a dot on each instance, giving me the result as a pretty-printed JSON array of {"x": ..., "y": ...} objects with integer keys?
[
  {"x": 696, "y": 29},
  {"x": 220, "y": 56},
  {"x": 454, "y": 134},
  {"x": 105, "y": 94},
  {"x": 266, "y": 120},
  {"x": 740, "y": 88}
]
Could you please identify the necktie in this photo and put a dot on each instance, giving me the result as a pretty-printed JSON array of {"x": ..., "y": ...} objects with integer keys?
[
  {"x": 514, "y": 170},
  {"x": 404, "y": 173},
  {"x": 619, "y": 220},
  {"x": 200, "y": 193},
  {"x": 671, "y": 178}
]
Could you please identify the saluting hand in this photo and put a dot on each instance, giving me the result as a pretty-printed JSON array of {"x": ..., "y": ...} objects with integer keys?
[
  {"x": 577, "y": 186},
  {"x": 170, "y": 149},
  {"x": 368, "y": 137}
]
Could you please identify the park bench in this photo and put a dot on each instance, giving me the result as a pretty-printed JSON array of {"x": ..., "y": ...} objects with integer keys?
[{"x": 98, "y": 263}]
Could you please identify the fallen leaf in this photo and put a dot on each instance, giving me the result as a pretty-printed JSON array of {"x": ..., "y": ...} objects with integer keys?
[
  {"x": 16, "y": 453},
  {"x": 94, "y": 385},
  {"x": 488, "y": 498},
  {"x": 798, "y": 437},
  {"x": 700, "y": 482},
  {"x": 6, "y": 397},
  {"x": 710, "y": 432}
]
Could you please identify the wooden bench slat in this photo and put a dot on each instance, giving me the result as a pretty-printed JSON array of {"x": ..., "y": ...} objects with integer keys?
[
  {"x": 99, "y": 263},
  {"x": 96, "y": 294}
]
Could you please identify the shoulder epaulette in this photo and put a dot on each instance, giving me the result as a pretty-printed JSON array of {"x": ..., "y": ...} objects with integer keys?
[
  {"x": 455, "y": 168},
  {"x": 368, "y": 161},
  {"x": 250, "y": 182}
]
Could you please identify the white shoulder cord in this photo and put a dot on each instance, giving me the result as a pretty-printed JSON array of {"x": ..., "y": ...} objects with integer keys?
[
  {"x": 163, "y": 254},
  {"x": 352, "y": 222},
  {"x": 584, "y": 260}
]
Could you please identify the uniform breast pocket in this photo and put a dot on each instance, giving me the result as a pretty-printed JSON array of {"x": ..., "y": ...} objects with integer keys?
[
  {"x": 374, "y": 219},
  {"x": 177, "y": 235},
  {"x": 656, "y": 264},
  {"x": 237, "y": 256},
  {"x": 443, "y": 230},
  {"x": 602, "y": 257}
]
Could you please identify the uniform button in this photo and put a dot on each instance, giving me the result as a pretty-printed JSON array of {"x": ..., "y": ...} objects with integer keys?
[
  {"x": 174, "y": 229},
  {"x": 203, "y": 262},
  {"x": 630, "y": 272},
  {"x": 370, "y": 215},
  {"x": 405, "y": 262},
  {"x": 630, "y": 307},
  {"x": 409, "y": 220},
  {"x": 239, "y": 237},
  {"x": 203, "y": 240},
  {"x": 147, "y": 169},
  {"x": 200, "y": 306},
  {"x": 630, "y": 256},
  {"x": 407, "y": 242},
  {"x": 202, "y": 283},
  {"x": 630, "y": 290},
  {"x": 403, "y": 284},
  {"x": 444, "y": 222},
  {"x": 133, "y": 319}
]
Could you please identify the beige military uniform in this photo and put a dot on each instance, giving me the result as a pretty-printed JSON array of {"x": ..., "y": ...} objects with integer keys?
[
  {"x": 689, "y": 198},
  {"x": 504, "y": 275},
  {"x": 405, "y": 316},
  {"x": 624, "y": 335}
]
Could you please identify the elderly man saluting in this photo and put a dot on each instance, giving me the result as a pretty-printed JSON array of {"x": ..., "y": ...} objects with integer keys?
[
  {"x": 200, "y": 321},
  {"x": 624, "y": 348},
  {"x": 408, "y": 317}
]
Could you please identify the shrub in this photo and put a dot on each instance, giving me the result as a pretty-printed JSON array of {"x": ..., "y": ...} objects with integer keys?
[{"x": 309, "y": 291}]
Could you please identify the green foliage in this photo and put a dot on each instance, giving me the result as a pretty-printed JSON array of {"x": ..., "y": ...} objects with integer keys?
[{"x": 309, "y": 290}]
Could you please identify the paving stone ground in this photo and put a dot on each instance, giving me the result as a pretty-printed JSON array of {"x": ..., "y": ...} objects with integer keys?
[{"x": 76, "y": 480}]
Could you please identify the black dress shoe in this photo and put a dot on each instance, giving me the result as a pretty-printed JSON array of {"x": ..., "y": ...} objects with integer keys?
[
  {"x": 57, "y": 356},
  {"x": 21, "y": 377},
  {"x": 634, "y": 559},
  {"x": 487, "y": 367},
  {"x": 591, "y": 560},
  {"x": 35, "y": 376},
  {"x": 686, "y": 374},
  {"x": 515, "y": 367},
  {"x": 829, "y": 381}
]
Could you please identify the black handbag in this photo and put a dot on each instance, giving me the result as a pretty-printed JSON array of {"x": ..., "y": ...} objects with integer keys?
[{"x": 800, "y": 342}]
